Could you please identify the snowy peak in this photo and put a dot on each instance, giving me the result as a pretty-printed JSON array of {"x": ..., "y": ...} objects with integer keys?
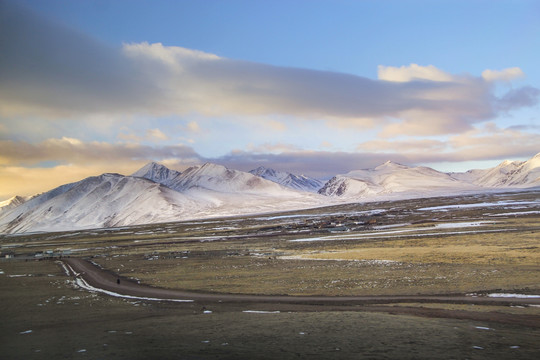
[
  {"x": 507, "y": 174},
  {"x": 13, "y": 202},
  {"x": 264, "y": 172},
  {"x": 157, "y": 173},
  {"x": 390, "y": 166},
  {"x": 218, "y": 178},
  {"x": 98, "y": 201},
  {"x": 391, "y": 178},
  {"x": 297, "y": 182}
]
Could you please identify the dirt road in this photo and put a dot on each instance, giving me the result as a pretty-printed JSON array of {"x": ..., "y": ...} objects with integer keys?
[{"x": 106, "y": 280}]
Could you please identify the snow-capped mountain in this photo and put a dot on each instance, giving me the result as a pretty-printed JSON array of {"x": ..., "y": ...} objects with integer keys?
[
  {"x": 207, "y": 176},
  {"x": 99, "y": 201},
  {"x": 218, "y": 178},
  {"x": 157, "y": 173},
  {"x": 297, "y": 182},
  {"x": 392, "y": 178},
  {"x": 13, "y": 202},
  {"x": 112, "y": 200},
  {"x": 527, "y": 174},
  {"x": 157, "y": 194},
  {"x": 506, "y": 174}
]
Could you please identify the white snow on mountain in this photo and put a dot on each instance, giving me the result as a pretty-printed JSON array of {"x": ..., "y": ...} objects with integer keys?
[
  {"x": 298, "y": 182},
  {"x": 99, "y": 201},
  {"x": 221, "y": 179},
  {"x": 157, "y": 173},
  {"x": 515, "y": 174},
  {"x": 13, "y": 202},
  {"x": 112, "y": 200},
  {"x": 392, "y": 178},
  {"x": 157, "y": 194}
]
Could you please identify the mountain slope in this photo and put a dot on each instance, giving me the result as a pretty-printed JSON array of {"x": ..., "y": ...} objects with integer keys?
[
  {"x": 112, "y": 200},
  {"x": 221, "y": 179},
  {"x": 157, "y": 194},
  {"x": 297, "y": 182},
  {"x": 100, "y": 201},
  {"x": 527, "y": 173},
  {"x": 13, "y": 202},
  {"x": 157, "y": 173},
  {"x": 392, "y": 178},
  {"x": 512, "y": 174}
]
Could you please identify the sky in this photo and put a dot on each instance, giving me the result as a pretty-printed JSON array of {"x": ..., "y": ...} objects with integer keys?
[{"x": 311, "y": 87}]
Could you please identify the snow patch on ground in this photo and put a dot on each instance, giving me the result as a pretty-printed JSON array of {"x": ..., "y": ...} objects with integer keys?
[
  {"x": 419, "y": 230},
  {"x": 365, "y": 261},
  {"x": 517, "y": 213},
  {"x": 476, "y": 205},
  {"x": 519, "y": 296},
  {"x": 84, "y": 285},
  {"x": 483, "y": 328}
]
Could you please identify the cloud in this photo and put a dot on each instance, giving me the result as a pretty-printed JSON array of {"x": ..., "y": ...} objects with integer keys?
[
  {"x": 526, "y": 96},
  {"x": 21, "y": 163},
  {"x": 72, "y": 151},
  {"x": 413, "y": 72},
  {"x": 268, "y": 148},
  {"x": 24, "y": 181},
  {"x": 55, "y": 70},
  {"x": 403, "y": 146},
  {"x": 58, "y": 72},
  {"x": 156, "y": 134},
  {"x": 491, "y": 142},
  {"x": 192, "y": 126},
  {"x": 502, "y": 75}
]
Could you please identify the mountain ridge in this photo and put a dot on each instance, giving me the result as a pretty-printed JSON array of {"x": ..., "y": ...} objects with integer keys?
[
  {"x": 297, "y": 182},
  {"x": 155, "y": 193}
]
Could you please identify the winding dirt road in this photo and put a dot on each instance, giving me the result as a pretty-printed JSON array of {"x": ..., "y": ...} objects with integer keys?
[{"x": 106, "y": 280}]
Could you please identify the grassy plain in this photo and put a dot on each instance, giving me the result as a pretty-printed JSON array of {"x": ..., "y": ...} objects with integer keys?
[{"x": 384, "y": 248}]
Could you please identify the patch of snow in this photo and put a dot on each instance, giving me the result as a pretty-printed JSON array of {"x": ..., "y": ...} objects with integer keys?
[
  {"x": 519, "y": 296},
  {"x": 483, "y": 328},
  {"x": 477, "y": 205},
  {"x": 207, "y": 311},
  {"x": 419, "y": 230},
  {"x": 366, "y": 261},
  {"x": 66, "y": 271},
  {"x": 382, "y": 227},
  {"x": 84, "y": 285},
  {"x": 516, "y": 213},
  {"x": 26, "y": 332},
  {"x": 458, "y": 225}
]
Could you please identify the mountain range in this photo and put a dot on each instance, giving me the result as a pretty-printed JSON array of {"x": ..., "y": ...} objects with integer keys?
[{"x": 155, "y": 193}]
